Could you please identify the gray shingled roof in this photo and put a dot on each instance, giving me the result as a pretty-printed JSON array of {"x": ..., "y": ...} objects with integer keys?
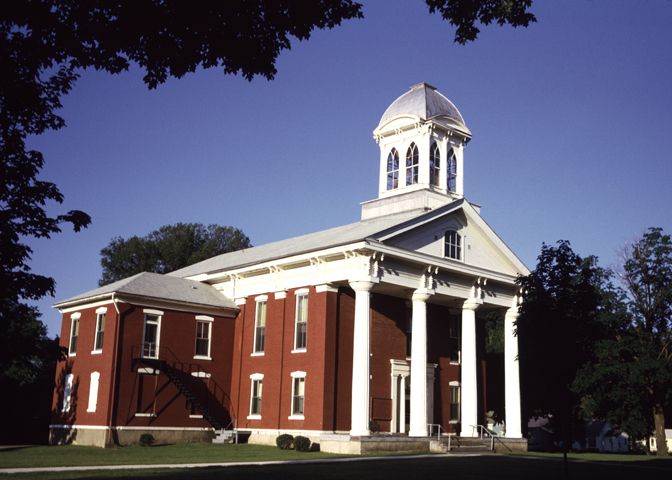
[
  {"x": 424, "y": 101},
  {"x": 332, "y": 237},
  {"x": 154, "y": 285}
]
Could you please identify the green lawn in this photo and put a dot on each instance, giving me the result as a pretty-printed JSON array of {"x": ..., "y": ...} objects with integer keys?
[
  {"x": 515, "y": 467},
  {"x": 70, "y": 455},
  {"x": 595, "y": 457},
  {"x": 438, "y": 467}
]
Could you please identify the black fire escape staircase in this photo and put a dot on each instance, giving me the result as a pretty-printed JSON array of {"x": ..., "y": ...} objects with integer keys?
[{"x": 204, "y": 395}]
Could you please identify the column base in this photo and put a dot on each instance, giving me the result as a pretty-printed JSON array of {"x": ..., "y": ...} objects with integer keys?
[
  {"x": 360, "y": 433},
  {"x": 421, "y": 433}
]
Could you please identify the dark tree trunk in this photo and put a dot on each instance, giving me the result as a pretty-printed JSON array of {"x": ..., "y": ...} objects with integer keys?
[{"x": 659, "y": 423}]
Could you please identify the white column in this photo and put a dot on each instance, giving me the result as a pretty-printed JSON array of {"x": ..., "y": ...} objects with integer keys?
[
  {"x": 418, "y": 427},
  {"x": 511, "y": 376},
  {"x": 359, "y": 423},
  {"x": 469, "y": 384},
  {"x": 394, "y": 380},
  {"x": 459, "y": 180},
  {"x": 402, "y": 405}
]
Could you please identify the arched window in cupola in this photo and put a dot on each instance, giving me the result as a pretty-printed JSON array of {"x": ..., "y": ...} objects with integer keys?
[
  {"x": 393, "y": 169},
  {"x": 452, "y": 171},
  {"x": 412, "y": 157},
  {"x": 434, "y": 164}
]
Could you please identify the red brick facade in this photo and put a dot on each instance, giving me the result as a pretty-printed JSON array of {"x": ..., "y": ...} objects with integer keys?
[{"x": 133, "y": 396}]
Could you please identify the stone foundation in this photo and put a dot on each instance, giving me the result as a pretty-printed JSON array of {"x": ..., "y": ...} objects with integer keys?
[
  {"x": 104, "y": 437},
  {"x": 345, "y": 444}
]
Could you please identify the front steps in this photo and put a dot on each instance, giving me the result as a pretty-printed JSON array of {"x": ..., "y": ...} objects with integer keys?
[
  {"x": 462, "y": 445},
  {"x": 225, "y": 436}
]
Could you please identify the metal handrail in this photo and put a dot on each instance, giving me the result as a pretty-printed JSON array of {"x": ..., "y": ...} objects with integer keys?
[
  {"x": 430, "y": 427},
  {"x": 485, "y": 432}
]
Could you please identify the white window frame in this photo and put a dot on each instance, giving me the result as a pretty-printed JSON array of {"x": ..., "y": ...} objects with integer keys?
[
  {"x": 74, "y": 319},
  {"x": 413, "y": 169},
  {"x": 207, "y": 321},
  {"x": 301, "y": 293},
  {"x": 67, "y": 392},
  {"x": 93, "y": 391},
  {"x": 392, "y": 179},
  {"x": 101, "y": 314},
  {"x": 451, "y": 386},
  {"x": 434, "y": 164},
  {"x": 254, "y": 378},
  {"x": 451, "y": 170},
  {"x": 298, "y": 375},
  {"x": 459, "y": 245},
  {"x": 152, "y": 313},
  {"x": 258, "y": 301}
]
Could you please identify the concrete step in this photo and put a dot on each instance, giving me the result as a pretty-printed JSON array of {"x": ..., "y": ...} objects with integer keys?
[
  {"x": 224, "y": 436},
  {"x": 462, "y": 445}
]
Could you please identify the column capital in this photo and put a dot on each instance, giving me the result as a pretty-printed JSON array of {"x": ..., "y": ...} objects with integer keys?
[
  {"x": 513, "y": 313},
  {"x": 472, "y": 304},
  {"x": 363, "y": 284},
  {"x": 326, "y": 287},
  {"x": 422, "y": 294}
]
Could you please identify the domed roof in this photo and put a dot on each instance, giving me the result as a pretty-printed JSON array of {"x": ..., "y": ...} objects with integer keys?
[{"x": 426, "y": 102}]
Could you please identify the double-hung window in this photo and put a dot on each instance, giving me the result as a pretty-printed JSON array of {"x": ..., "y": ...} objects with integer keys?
[
  {"x": 74, "y": 333},
  {"x": 301, "y": 322},
  {"x": 298, "y": 395},
  {"x": 453, "y": 245},
  {"x": 260, "y": 326},
  {"x": 100, "y": 332},
  {"x": 257, "y": 383},
  {"x": 150, "y": 341},
  {"x": 454, "y": 402},
  {"x": 203, "y": 336}
]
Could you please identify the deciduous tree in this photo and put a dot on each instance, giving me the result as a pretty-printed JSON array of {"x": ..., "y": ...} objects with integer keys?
[
  {"x": 557, "y": 324},
  {"x": 169, "y": 248},
  {"x": 629, "y": 379}
]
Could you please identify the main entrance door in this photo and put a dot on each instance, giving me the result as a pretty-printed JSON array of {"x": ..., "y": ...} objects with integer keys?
[{"x": 401, "y": 394}]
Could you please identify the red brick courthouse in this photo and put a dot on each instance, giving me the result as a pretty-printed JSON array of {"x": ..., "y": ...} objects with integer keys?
[{"x": 374, "y": 329}]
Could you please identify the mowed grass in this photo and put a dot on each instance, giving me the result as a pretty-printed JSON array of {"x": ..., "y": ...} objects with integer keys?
[
  {"x": 72, "y": 455},
  {"x": 439, "y": 466}
]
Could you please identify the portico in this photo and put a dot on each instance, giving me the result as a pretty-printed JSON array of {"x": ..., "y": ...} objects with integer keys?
[{"x": 416, "y": 371}]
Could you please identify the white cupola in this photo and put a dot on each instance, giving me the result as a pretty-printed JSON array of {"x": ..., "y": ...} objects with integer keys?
[{"x": 421, "y": 137}]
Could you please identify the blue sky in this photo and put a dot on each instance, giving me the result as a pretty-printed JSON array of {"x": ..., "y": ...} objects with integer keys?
[{"x": 572, "y": 123}]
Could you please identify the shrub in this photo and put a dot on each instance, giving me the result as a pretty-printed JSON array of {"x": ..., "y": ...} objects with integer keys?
[
  {"x": 284, "y": 441},
  {"x": 301, "y": 444},
  {"x": 146, "y": 439}
]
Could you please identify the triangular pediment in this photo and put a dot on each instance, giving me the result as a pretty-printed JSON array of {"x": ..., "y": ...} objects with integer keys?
[{"x": 480, "y": 246}]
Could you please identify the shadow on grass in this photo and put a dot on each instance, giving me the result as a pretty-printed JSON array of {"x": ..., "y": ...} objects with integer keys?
[{"x": 457, "y": 468}]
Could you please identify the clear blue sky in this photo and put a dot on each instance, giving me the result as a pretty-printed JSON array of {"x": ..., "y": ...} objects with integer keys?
[{"x": 572, "y": 123}]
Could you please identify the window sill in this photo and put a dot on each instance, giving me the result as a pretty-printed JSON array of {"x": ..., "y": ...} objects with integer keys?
[
  {"x": 72, "y": 355},
  {"x": 254, "y": 417},
  {"x": 454, "y": 362},
  {"x": 454, "y": 422},
  {"x": 202, "y": 357},
  {"x": 147, "y": 415},
  {"x": 96, "y": 352},
  {"x": 257, "y": 354},
  {"x": 299, "y": 350},
  {"x": 195, "y": 416},
  {"x": 296, "y": 417}
]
